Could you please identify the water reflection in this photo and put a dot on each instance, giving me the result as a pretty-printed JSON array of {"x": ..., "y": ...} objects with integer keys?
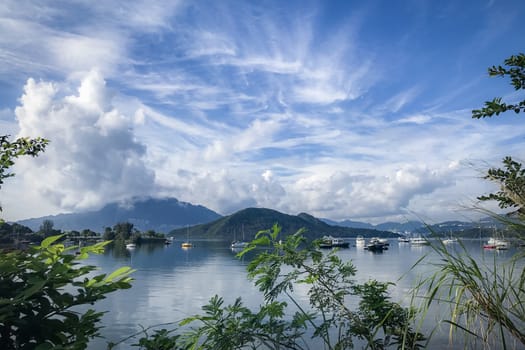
[{"x": 172, "y": 283}]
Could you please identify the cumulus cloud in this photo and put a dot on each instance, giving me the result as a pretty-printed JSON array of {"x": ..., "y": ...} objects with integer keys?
[
  {"x": 93, "y": 156},
  {"x": 342, "y": 194}
]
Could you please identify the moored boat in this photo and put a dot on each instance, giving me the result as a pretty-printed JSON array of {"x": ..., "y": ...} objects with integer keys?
[
  {"x": 419, "y": 241},
  {"x": 360, "y": 241},
  {"x": 450, "y": 240},
  {"x": 239, "y": 244},
  {"x": 403, "y": 239},
  {"x": 328, "y": 242},
  {"x": 376, "y": 245},
  {"x": 497, "y": 243}
]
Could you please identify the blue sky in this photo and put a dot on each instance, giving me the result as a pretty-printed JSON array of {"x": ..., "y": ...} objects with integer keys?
[{"x": 343, "y": 109}]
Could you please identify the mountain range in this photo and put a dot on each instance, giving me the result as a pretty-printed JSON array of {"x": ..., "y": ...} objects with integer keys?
[
  {"x": 169, "y": 214},
  {"x": 161, "y": 215}
]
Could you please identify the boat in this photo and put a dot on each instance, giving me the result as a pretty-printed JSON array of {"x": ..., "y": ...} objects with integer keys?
[
  {"x": 376, "y": 245},
  {"x": 496, "y": 243},
  {"x": 187, "y": 244},
  {"x": 328, "y": 242},
  {"x": 239, "y": 244},
  {"x": 450, "y": 240},
  {"x": 131, "y": 246},
  {"x": 360, "y": 241},
  {"x": 419, "y": 241},
  {"x": 339, "y": 243},
  {"x": 403, "y": 239}
]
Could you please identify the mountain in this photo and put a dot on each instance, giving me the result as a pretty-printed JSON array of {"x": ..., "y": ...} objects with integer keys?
[
  {"x": 161, "y": 215},
  {"x": 350, "y": 223},
  {"x": 252, "y": 220},
  {"x": 409, "y": 226}
]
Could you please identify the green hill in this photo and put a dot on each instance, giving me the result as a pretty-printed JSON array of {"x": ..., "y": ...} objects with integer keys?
[{"x": 252, "y": 220}]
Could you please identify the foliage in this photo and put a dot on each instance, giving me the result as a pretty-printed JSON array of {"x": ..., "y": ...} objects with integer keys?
[
  {"x": 278, "y": 270},
  {"x": 512, "y": 185},
  {"x": 40, "y": 291},
  {"x": 46, "y": 229},
  {"x": 10, "y": 150},
  {"x": 486, "y": 301},
  {"x": 515, "y": 70},
  {"x": 237, "y": 327}
]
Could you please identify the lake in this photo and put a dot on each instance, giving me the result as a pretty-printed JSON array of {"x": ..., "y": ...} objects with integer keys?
[{"x": 171, "y": 283}]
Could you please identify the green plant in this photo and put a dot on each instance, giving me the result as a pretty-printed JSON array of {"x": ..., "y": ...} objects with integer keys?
[
  {"x": 278, "y": 268},
  {"x": 486, "y": 300},
  {"x": 378, "y": 321},
  {"x": 40, "y": 291}
]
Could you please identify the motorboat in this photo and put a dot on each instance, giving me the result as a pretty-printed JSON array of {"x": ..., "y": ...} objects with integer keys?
[
  {"x": 419, "y": 241},
  {"x": 339, "y": 243},
  {"x": 328, "y": 242},
  {"x": 360, "y": 241},
  {"x": 403, "y": 239},
  {"x": 450, "y": 240},
  {"x": 131, "y": 246},
  {"x": 376, "y": 245}
]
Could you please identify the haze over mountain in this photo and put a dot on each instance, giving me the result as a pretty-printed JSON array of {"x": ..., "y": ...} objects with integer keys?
[{"x": 161, "y": 215}]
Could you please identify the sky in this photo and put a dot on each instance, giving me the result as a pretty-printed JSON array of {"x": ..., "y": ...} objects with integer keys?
[{"x": 357, "y": 110}]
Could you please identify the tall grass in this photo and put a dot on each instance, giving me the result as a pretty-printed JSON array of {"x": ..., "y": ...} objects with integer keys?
[{"x": 485, "y": 299}]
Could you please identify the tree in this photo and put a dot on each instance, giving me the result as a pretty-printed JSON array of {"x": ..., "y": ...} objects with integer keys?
[
  {"x": 46, "y": 229},
  {"x": 123, "y": 230},
  {"x": 516, "y": 71},
  {"x": 487, "y": 302},
  {"x": 512, "y": 177},
  {"x": 40, "y": 289},
  {"x": 10, "y": 150}
]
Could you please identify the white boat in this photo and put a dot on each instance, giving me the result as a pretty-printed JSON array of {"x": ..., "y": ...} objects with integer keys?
[
  {"x": 419, "y": 241},
  {"x": 450, "y": 240},
  {"x": 497, "y": 243},
  {"x": 403, "y": 239},
  {"x": 239, "y": 244},
  {"x": 131, "y": 246},
  {"x": 359, "y": 241}
]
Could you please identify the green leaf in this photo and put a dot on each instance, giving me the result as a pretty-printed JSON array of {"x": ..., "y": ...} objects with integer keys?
[
  {"x": 121, "y": 272},
  {"x": 50, "y": 240}
]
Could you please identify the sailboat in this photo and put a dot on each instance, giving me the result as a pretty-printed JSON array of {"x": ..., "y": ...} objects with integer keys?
[
  {"x": 496, "y": 242},
  {"x": 239, "y": 244},
  {"x": 187, "y": 244},
  {"x": 450, "y": 239}
]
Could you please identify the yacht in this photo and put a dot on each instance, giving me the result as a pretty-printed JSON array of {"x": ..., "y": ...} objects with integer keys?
[{"x": 419, "y": 241}]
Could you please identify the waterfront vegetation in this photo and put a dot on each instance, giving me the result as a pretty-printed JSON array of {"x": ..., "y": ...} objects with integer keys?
[{"x": 41, "y": 287}]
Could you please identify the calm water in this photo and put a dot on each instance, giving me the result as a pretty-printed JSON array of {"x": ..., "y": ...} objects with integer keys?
[{"x": 172, "y": 283}]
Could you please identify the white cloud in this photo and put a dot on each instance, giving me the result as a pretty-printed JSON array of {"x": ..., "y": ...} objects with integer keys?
[{"x": 93, "y": 157}]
